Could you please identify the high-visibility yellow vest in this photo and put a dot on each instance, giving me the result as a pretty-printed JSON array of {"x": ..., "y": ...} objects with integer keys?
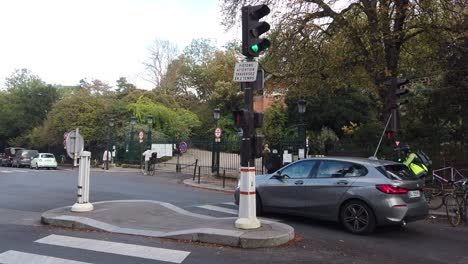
[{"x": 416, "y": 168}]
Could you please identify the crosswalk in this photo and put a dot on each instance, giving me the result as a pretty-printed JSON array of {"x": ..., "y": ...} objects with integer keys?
[
  {"x": 228, "y": 209},
  {"x": 108, "y": 247}
]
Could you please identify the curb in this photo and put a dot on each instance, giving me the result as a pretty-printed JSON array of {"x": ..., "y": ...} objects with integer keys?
[
  {"x": 213, "y": 187},
  {"x": 270, "y": 234}
]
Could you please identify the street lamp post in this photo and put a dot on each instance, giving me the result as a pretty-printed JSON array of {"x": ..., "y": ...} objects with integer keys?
[
  {"x": 109, "y": 142},
  {"x": 149, "y": 120},
  {"x": 301, "y": 106},
  {"x": 215, "y": 153},
  {"x": 132, "y": 135}
]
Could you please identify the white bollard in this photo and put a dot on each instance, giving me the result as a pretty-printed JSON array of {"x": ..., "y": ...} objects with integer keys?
[
  {"x": 247, "y": 207},
  {"x": 83, "y": 204}
]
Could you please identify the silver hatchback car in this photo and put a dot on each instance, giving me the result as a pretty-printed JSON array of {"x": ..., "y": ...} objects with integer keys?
[{"x": 357, "y": 192}]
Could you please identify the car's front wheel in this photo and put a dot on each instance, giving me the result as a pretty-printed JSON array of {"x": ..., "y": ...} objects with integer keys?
[{"x": 357, "y": 217}]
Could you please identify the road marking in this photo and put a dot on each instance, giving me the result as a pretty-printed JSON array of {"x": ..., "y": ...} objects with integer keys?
[
  {"x": 154, "y": 253},
  {"x": 16, "y": 257},
  {"x": 230, "y": 203},
  {"x": 219, "y": 209}
]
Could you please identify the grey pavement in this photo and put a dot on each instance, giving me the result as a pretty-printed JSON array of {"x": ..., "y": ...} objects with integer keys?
[{"x": 164, "y": 220}]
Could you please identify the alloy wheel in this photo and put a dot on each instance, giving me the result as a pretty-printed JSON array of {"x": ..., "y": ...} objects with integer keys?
[{"x": 356, "y": 218}]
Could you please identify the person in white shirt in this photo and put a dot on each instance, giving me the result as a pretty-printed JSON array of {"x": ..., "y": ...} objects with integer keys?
[
  {"x": 147, "y": 155},
  {"x": 106, "y": 157}
]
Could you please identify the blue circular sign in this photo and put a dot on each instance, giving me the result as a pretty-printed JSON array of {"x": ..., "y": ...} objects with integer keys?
[{"x": 183, "y": 147}]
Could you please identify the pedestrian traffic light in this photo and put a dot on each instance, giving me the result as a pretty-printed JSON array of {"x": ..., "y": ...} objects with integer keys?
[
  {"x": 240, "y": 117},
  {"x": 252, "y": 28}
]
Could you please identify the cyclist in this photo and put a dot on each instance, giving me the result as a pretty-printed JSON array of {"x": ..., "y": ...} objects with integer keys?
[{"x": 413, "y": 162}]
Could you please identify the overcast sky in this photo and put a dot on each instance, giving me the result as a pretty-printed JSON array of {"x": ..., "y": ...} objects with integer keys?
[{"x": 63, "y": 41}]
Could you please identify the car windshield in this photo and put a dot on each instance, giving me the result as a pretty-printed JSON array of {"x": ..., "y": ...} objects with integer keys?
[
  {"x": 47, "y": 156},
  {"x": 397, "y": 172}
]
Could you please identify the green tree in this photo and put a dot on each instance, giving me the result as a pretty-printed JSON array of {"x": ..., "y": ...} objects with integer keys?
[
  {"x": 274, "y": 124},
  {"x": 25, "y": 104}
]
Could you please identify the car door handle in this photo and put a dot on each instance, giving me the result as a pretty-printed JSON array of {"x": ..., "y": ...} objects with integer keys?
[
  {"x": 298, "y": 182},
  {"x": 345, "y": 182}
]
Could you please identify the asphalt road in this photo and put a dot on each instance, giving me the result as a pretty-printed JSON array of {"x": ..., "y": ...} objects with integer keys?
[{"x": 25, "y": 194}]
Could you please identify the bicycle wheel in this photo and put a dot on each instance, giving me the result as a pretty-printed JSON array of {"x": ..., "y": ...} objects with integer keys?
[
  {"x": 433, "y": 201},
  {"x": 435, "y": 186},
  {"x": 452, "y": 208},
  {"x": 152, "y": 169}
]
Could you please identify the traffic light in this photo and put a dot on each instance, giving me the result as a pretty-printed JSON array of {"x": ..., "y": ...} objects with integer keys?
[
  {"x": 400, "y": 92},
  {"x": 252, "y": 28},
  {"x": 240, "y": 117}
]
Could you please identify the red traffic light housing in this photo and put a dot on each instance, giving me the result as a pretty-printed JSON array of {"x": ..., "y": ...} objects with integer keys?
[{"x": 240, "y": 117}]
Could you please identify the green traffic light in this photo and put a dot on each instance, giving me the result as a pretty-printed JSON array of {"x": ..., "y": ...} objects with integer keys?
[{"x": 254, "y": 48}]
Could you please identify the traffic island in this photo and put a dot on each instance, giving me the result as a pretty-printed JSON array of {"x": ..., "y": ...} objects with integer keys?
[{"x": 164, "y": 220}]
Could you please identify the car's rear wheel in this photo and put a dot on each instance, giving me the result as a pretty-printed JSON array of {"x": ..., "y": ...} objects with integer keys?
[{"x": 357, "y": 217}]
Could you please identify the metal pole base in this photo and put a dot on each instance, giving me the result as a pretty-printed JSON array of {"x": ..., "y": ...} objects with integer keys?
[{"x": 82, "y": 207}]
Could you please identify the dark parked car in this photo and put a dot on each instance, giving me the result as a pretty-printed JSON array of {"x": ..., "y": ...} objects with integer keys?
[
  {"x": 8, "y": 156},
  {"x": 23, "y": 158},
  {"x": 359, "y": 193}
]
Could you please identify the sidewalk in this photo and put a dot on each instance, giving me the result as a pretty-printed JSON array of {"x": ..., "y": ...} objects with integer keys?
[{"x": 164, "y": 220}]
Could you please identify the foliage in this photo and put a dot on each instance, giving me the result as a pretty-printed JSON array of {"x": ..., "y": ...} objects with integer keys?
[
  {"x": 177, "y": 123},
  {"x": 317, "y": 140},
  {"x": 274, "y": 124},
  {"x": 24, "y": 105}
]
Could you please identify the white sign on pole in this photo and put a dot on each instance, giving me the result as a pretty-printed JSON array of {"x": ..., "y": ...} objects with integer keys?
[
  {"x": 245, "y": 71},
  {"x": 140, "y": 136},
  {"x": 74, "y": 144},
  {"x": 218, "y": 132}
]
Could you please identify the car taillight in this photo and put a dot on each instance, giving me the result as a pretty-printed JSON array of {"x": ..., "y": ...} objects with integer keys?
[
  {"x": 390, "y": 189},
  {"x": 21, "y": 158}
]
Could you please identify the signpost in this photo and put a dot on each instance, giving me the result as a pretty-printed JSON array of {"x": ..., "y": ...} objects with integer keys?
[
  {"x": 74, "y": 145},
  {"x": 183, "y": 147},
  {"x": 141, "y": 136},
  {"x": 245, "y": 71},
  {"x": 217, "y": 133}
]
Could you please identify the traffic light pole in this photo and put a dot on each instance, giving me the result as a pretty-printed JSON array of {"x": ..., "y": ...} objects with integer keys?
[{"x": 247, "y": 203}]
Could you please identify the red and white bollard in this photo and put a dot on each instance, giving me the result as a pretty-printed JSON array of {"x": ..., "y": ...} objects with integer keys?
[{"x": 247, "y": 207}]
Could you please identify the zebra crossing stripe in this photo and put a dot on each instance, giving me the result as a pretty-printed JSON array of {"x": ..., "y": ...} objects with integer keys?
[
  {"x": 154, "y": 253},
  {"x": 219, "y": 209},
  {"x": 17, "y": 257}
]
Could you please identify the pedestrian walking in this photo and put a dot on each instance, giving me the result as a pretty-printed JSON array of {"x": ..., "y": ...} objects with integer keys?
[
  {"x": 274, "y": 162},
  {"x": 147, "y": 155},
  {"x": 106, "y": 157},
  {"x": 265, "y": 156}
]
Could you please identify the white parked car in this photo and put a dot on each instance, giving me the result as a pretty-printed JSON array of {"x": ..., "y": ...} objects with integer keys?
[{"x": 44, "y": 160}]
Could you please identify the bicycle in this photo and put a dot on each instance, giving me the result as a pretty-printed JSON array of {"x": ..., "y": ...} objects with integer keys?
[
  {"x": 456, "y": 204},
  {"x": 434, "y": 186},
  {"x": 152, "y": 166}
]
